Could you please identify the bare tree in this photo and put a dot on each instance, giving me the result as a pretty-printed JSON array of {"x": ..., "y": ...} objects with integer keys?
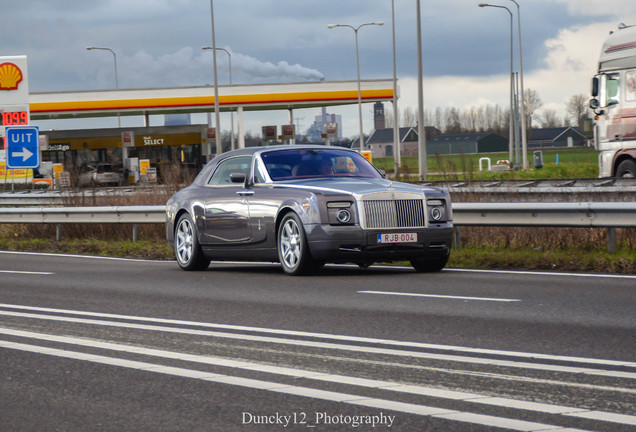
[
  {"x": 453, "y": 121},
  {"x": 408, "y": 117},
  {"x": 470, "y": 119},
  {"x": 493, "y": 119},
  {"x": 577, "y": 109},
  {"x": 439, "y": 119},
  {"x": 388, "y": 118},
  {"x": 550, "y": 119},
  {"x": 532, "y": 103}
]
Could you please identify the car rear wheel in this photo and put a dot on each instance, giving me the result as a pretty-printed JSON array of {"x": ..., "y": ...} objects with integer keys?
[
  {"x": 429, "y": 265},
  {"x": 293, "y": 251},
  {"x": 186, "y": 246}
]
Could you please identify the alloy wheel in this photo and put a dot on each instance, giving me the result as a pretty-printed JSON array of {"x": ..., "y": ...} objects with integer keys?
[
  {"x": 185, "y": 245},
  {"x": 290, "y": 244}
]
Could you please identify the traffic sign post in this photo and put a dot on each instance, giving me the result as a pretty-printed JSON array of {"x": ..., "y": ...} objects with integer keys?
[{"x": 23, "y": 147}]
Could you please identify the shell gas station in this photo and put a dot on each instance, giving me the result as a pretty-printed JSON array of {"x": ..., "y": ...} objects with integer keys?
[{"x": 157, "y": 145}]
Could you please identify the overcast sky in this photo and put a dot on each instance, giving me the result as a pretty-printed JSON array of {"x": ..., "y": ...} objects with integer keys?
[{"x": 158, "y": 44}]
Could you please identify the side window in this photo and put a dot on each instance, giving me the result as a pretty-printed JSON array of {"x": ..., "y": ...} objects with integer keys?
[
  {"x": 221, "y": 176},
  {"x": 630, "y": 85},
  {"x": 612, "y": 86}
]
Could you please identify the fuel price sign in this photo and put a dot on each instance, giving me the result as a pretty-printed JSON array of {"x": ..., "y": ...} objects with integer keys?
[
  {"x": 15, "y": 118},
  {"x": 14, "y": 92}
]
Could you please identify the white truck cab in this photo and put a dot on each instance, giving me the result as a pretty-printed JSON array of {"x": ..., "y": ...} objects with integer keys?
[{"x": 614, "y": 104}]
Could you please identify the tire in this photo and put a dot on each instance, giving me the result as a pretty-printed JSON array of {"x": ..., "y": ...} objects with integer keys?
[
  {"x": 293, "y": 251},
  {"x": 626, "y": 169},
  {"x": 428, "y": 265},
  {"x": 186, "y": 246}
]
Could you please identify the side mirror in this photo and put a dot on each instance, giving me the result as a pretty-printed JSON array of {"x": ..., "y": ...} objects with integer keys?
[
  {"x": 595, "y": 87},
  {"x": 238, "y": 177}
]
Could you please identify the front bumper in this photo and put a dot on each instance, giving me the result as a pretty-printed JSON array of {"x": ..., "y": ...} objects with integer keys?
[{"x": 353, "y": 244}]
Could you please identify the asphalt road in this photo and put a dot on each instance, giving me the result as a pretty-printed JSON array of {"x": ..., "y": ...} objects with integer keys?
[{"x": 111, "y": 344}]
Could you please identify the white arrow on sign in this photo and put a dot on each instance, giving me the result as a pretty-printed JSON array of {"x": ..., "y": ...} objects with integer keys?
[{"x": 25, "y": 153}]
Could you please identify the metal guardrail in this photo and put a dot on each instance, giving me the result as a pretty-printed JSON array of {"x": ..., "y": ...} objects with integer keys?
[
  {"x": 59, "y": 216},
  {"x": 610, "y": 215},
  {"x": 589, "y": 214},
  {"x": 84, "y": 215},
  {"x": 589, "y": 189},
  {"x": 594, "y": 214},
  {"x": 543, "y": 185}
]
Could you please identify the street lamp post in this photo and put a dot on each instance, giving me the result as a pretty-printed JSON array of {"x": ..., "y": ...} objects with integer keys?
[
  {"x": 217, "y": 116},
  {"x": 355, "y": 30},
  {"x": 524, "y": 137},
  {"x": 421, "y": 128},
  {"x": 90, "y": 48},
  {"x": 511, "y": 120},
  {"x": 397, "y": 151},
  {"x": 229, "y": 56}
]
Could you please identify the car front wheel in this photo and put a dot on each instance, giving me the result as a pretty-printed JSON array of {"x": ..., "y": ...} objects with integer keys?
[
  {"x": 186, "y": 246},
  {"x": 293, "y": 251}
]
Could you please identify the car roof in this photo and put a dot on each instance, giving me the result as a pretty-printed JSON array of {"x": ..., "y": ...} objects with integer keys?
[
  {"x": 249, "y": 151},
  {"x": 261, "y": 149}
]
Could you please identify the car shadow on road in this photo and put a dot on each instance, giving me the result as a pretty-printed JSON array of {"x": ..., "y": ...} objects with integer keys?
[{"x": 344, "y": 270}]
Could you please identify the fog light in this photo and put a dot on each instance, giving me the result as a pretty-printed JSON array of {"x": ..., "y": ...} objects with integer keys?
[
  {"x": 436, "y": 213},
  {"x": 343, "y": 216}
]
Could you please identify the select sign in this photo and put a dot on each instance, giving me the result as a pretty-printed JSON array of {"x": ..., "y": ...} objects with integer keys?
[{"x": 23, "y": 147}]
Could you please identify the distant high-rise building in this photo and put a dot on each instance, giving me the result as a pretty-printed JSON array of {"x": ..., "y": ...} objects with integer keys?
[{"x": 315, "y": 131}]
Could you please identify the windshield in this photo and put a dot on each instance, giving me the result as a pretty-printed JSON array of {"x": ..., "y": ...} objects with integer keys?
[
  {"x": 311, "y": 163},
  {"x": 104, "y": 168}
]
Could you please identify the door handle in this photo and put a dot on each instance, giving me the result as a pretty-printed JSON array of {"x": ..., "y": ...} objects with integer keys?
[{"x": 245, "y": 193}]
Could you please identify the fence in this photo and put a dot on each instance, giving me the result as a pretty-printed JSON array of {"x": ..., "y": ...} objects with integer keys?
[{"x": 609, "y": 215}]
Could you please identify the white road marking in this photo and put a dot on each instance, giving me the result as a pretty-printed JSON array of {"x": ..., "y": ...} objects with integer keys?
[
  {"x": 454, "y": 415},
  {"x": 334, "y": 346},
  {"x": 449, "y": 297},
  {"x": 319, "y": 376},
  {"x": 487, "y": 375},
  {"x": 63, "y": 255},
  {"x": 26, "y": 272},
  {"x": 542, "y": 273},
  {"x": 326, "y": 336}
]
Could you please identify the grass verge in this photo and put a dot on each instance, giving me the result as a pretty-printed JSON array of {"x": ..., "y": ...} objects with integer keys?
[
  {"x": 579, "y": 162},
  {"x": 142, "y": 249},
  {"x": 623, "y": 261}
]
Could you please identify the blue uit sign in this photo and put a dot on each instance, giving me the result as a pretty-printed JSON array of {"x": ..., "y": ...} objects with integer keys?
[{"x": 23, "y": 147}]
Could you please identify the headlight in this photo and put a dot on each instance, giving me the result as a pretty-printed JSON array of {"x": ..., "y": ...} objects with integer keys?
[
  {"x": 343, "y": 216},
  {"x": 437, "y": 210},
  {"x": 340, "y": 212}
]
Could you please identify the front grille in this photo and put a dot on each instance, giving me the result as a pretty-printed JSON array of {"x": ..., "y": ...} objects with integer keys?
[{"x": 402, "y": 213}]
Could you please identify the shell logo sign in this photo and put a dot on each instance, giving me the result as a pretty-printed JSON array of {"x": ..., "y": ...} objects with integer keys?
[{"x": 10, "y": 76}]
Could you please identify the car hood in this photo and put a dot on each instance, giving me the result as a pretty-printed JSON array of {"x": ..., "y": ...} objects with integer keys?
[{"x": 356, "y": 186}]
